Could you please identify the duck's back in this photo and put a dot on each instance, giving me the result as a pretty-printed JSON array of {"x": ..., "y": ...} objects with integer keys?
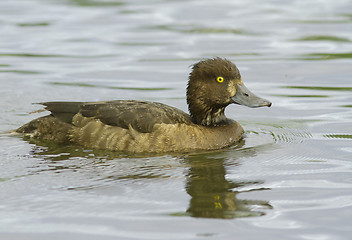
[
  {"x": 141, "y": 115},
  {"x": 124, "y": 125}
]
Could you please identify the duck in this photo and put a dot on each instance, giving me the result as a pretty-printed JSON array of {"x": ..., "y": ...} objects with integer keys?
[{"x": 151, "y": 127}]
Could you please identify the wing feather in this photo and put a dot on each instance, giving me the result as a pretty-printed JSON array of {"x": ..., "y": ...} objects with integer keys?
[{"x": 140, "y": 115}]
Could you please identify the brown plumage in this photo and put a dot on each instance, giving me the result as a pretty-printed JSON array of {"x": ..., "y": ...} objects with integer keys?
[{"x": 140, "y": 126}]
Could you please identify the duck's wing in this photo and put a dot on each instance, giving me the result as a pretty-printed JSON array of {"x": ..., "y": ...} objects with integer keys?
[
  {"x": 141, "y": 116},
  {"x": 64, "y": 111}
]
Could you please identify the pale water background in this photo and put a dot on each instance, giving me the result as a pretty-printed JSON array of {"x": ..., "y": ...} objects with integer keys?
[{"x": 289, "y": 179}]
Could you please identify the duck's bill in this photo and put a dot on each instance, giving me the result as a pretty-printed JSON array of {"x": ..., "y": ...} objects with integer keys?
[{"x": 247, "y": 98}]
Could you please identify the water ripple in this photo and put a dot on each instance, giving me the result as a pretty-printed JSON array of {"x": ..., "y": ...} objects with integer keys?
[{"x": 282, "y": 133}]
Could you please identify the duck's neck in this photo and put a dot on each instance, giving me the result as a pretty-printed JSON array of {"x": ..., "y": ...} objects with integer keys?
[{"x": 207, "y": 116}]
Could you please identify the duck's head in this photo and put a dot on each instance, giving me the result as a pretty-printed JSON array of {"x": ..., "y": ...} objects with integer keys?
[{"x": 214, "y": 84}]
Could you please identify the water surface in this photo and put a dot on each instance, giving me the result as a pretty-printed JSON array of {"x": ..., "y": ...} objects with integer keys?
[{"x": 290, "y": 178}]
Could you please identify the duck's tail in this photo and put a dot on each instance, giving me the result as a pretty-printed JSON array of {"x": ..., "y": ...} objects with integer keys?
[{"x": 47, "y": 128}]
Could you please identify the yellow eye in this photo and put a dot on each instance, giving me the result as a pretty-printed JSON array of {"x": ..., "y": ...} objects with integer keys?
[{"x": 220, "y": 79}]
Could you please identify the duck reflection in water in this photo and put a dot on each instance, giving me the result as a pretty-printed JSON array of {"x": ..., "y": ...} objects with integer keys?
[{"x": 213, "y": 196}]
